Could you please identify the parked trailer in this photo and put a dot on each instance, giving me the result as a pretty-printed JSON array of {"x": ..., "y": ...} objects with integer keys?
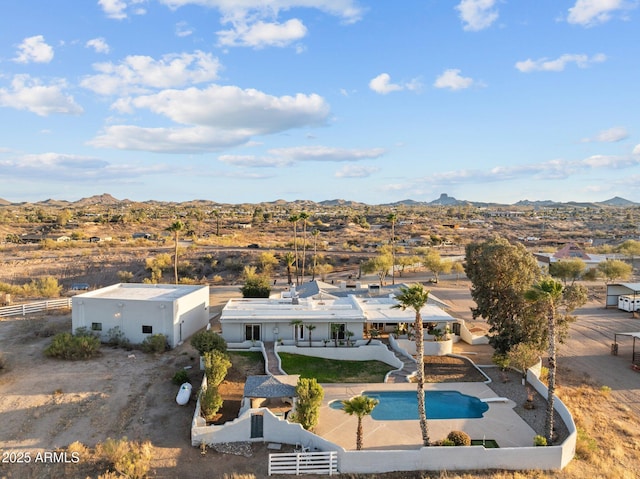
[{"x": 629, "y": 303}]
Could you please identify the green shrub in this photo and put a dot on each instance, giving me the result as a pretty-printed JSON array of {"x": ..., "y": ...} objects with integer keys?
[
  {"x": 309, "y": 395},
  {"x": 156, "y": 343},
  {"x": 539, "y": 441},
  {"x": 68, "y": 346},
  {"x": 445, "y": 442},
  {"x": 210, "y": 403},
  {"x": 459, "y": 438},
  {"x": 205, "y": 341},
  {"x": 216, "y": 365},
  {"x": 180, "y": 377},
  {"x": 117, "y": 339}
]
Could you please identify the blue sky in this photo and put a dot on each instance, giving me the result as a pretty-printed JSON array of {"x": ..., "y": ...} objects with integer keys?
[{"x": 379, "y": 101}]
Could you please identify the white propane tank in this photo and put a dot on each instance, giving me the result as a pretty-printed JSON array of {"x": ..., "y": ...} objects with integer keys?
[{"x": 184, "y": 394}]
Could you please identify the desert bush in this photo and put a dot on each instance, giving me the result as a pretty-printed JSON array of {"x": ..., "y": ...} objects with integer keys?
[
  {"x": 459, "y": 438},
  {"x": 125, "y": 276},
  {"x": 117, "y": 339},
  {"x": 605, "y": 390},
  {"x": 216, "y": 365},
  {"x": 205, "y": 341},
  {"x": 210, "y": 402},
  {"x": 180, "y": 377},
  {"x": 68, "y": 346},
  {"x": 586, "y": 446},
  {"x": 46, "y": 287},
  {"x": 128, "y": 458},
  {"x": 78, "y": 449},
  {"x": 539, "y": 441},
  {"x": 156, "y": 343}
]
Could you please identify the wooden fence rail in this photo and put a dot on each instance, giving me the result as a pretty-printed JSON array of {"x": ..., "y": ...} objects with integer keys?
[
  {"x": 35, "y": 307},
  {"x": 304, "y": 463}
]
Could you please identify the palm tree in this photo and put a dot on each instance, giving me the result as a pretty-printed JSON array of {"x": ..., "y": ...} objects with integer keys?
[
  {"x": 415, "y": 297},
  {"x": 360, "y": 406},
  {"x": 310, "y": 327},
  {"x": 289, "y": 260},
  {"x": 392, "y": 217},
  {"x": 297, "y": 323},
  {"x": 175, "y": 228},
  {"x": 315, "y": 234},
  {"x": 303, "y": 217},
  {"x": 294, "y": 219},
  {"x": 548, "y": 292}
]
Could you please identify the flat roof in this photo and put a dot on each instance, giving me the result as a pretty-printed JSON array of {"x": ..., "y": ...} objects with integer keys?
[
  {"x": 288, "y": 310},
  {"x": 381, "y": 310},
  {"x": 143, "y": 292}
]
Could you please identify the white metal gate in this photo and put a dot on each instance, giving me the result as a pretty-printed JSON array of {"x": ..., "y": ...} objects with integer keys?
[{"x": 304, "y": 463}]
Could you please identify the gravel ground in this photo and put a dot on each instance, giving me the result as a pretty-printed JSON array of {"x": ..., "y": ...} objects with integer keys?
[{"x": 508, "y": 384}]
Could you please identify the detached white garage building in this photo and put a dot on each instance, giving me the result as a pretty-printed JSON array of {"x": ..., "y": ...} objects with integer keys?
[{"x": 142, "y": 310}]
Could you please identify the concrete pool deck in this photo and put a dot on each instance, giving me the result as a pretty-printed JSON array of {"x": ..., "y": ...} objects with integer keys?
[{"x": 500, "y": 422}]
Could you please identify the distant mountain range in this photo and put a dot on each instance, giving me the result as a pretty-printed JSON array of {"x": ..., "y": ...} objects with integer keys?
[{"x": 106, "y": 199}]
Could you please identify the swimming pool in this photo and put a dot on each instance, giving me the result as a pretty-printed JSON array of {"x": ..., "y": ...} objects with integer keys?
[{"x": 403, "y": 405}]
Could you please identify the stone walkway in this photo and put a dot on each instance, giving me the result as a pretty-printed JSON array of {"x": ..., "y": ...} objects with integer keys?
[
  {"x": 272, "y": 360},
  {"x": 402, "y": 376}
]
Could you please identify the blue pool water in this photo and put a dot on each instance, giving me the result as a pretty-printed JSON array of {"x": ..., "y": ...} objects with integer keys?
[{"x": 403, "y": 405}]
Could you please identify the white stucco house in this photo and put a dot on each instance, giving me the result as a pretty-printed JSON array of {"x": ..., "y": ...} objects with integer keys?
[
  {"x": 142, "y": 310},
  {"x": 326, "y": 317}
]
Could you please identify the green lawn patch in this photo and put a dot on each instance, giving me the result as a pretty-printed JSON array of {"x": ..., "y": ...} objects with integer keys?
[{"x": 334, "y": 371}]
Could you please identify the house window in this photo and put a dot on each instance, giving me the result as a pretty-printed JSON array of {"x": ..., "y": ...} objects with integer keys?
[
  {"x": 455, "y": 329},
  {"x": 96, "y": 326},
  {"x": 147, "y": 329},
  {"x": 252, "y": 332},
  {"x": 338, "y": 330}
]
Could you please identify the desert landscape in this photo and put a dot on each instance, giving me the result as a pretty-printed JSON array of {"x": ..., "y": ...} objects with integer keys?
[{"x": 49, "y": 404}]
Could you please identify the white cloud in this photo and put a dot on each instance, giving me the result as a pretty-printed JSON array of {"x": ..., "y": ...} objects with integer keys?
[
  {"x": 137, "y": 73},
  {"x": 559, "y": 64},
  {"x": 30, "y": 94},
  {"x": 114, "y": 8},
  {"x": 254, "y": 23},
  {"x": 636, "y": 150},
  {"x": 183, "y": 29},
  {"x": 382, "y": 84},
  {"x": 453, "y": 80},
  {"x": 552, "y": 169},
  {"x": 612, "y": 135},
  {"x": 218, "y": 117},
  {"x": 280, "y": 157},
  {"x": 262, "y": 34},
  {"x": 348, "y": 10},
  {"x": 477, "y": 14},
  {"x": 592, "y": 12},
  {"x": 117, "y": 9},
  {"x": 34, "y": 49},
  {"x": 98, "y": 44},
  {"x": 356, "y": 171}
]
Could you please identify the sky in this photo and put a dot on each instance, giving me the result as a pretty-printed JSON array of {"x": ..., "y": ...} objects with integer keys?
[{"x": 245, "y": 101}]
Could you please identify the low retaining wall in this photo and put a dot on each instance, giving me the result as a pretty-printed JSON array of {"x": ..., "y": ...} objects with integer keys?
[
  {"x": 431, "y": 348},
  {"x": 373, "y": 352}
]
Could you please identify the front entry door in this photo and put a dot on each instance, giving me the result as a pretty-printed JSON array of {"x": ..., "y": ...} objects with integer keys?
[{"x": 252, "y": 332}]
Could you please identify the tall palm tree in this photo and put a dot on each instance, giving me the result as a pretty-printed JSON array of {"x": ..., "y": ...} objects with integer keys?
[
  {"x": 315, "y": 234},
  {"x": 175, "y": 228},
  {"x": 548, "y": 292},
  {"x": 289, "y": 260},
  {"x": 304, "y": 217},
  {"x": 415, "y": 297},
  {"x": 392, "y": 217},
  {"x": 294, "y": 219},
  {"x": 360, "y": 406},
  {"x": 297, "y": 323},
  {"x": 310, "y": 328}
]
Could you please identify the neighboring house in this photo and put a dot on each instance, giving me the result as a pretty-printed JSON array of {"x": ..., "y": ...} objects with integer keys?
[
  {"x": 332, "y": 311},
  {"x": 569, "y": 252},
  {"x": 142, "y": 310}
]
